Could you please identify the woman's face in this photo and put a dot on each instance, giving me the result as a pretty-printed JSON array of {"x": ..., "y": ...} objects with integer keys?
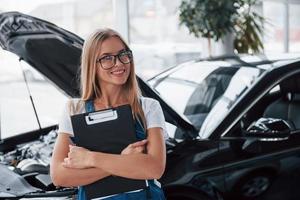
[{"x": 112, "y": 49}]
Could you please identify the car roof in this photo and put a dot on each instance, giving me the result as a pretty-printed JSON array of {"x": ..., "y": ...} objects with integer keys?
[{"x": 261, "y": 61}]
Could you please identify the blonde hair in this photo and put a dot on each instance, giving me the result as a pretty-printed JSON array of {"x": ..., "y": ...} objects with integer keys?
[{"x": 90, "y": 88}]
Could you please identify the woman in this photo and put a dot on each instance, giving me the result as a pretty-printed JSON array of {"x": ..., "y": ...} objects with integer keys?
[{"x": 108, "y": 79}]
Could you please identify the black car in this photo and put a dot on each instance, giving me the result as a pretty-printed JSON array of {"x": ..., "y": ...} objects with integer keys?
[
  {"x": 246, "y": 110},
  {"x": 233, "y": 122}
]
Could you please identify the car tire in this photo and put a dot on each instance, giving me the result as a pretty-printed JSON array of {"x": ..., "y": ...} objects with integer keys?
[
  {"x": 253, "y": 185},
  {"x": 186, "y": 194}
]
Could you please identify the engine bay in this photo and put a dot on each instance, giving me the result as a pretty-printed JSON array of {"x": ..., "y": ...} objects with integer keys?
[{"x": 24, "y": 171}]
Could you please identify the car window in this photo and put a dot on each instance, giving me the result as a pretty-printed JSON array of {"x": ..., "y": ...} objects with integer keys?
[
  {"x": 280, "y": 103},
  {"x": 17, "y": 113},
  {"x": 203, "y": 91},
  {"x": 238, "y": 85},
  {"x": 181, "y": 88},
  {"x": 275, "y": 89}
]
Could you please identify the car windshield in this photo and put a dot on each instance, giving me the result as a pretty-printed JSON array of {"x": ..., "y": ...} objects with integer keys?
[{"x": 204, "y": 92}]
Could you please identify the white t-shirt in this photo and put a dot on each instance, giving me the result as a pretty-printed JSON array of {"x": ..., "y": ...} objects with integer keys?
[{"x": 151, "y": 107}]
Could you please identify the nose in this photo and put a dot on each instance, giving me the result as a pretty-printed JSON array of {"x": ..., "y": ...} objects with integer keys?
[{"x": 118, "y": 62}]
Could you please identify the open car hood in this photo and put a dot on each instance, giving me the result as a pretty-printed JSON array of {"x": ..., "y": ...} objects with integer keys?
[
  {"x": 55, "y": 53},
  {"x": 49, "y": 49}
]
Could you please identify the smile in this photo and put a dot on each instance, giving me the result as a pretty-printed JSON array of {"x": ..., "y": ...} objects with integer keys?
[{"x": 118, "y": 72}]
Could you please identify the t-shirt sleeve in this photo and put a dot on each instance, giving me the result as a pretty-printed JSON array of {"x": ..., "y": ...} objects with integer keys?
[
  {"x": 154, "y": 116},
  {"x": 65, "y": 125}
]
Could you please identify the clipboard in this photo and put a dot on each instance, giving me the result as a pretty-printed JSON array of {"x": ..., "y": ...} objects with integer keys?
[{"x": 108, "y": 131}]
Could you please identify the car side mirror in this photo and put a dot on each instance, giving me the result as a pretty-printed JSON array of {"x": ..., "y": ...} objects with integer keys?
[{"x": 268, "y": 129}]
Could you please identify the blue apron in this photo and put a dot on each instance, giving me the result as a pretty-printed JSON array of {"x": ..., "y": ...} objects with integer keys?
[{"x": 152, "y": 192}]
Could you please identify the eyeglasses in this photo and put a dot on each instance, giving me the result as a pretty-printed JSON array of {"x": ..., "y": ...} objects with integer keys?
[{"x": 109, "y": 61}]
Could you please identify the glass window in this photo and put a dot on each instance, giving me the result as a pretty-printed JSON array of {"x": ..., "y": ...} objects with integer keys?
[
  {"x": 237, "y": 86},
  {"x": 274, "y": 27},
  {"x": 157, "y": 39},
  {"x": 184, "y": 81},
  {"x": 17, "y": 113},
  {"x": 294, "y": 39},
  {"x": 204, "y": 91}
]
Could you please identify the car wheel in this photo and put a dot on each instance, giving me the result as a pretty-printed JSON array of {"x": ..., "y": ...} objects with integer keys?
[
  {"x": 179, "y": 194},
  {"x": 253, "y": 185}
]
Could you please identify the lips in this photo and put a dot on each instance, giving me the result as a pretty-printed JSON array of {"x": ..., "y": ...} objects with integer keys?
[{"x": 118, "y": 72}]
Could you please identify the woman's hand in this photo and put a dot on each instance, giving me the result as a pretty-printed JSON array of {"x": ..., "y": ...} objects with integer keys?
[
  {"x": 78, "y": 157},
  {"x": 134, "y": 148}
]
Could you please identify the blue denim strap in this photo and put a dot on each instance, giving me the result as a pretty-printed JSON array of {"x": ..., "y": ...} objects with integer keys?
[
  {"x": 81, "y": 194},
  {"x": 89, "y": 106}
]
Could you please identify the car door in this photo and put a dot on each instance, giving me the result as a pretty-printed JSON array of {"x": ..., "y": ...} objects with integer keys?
[
  {"x": 255, "y": 167},
  {"x": 260, "y": 167}
]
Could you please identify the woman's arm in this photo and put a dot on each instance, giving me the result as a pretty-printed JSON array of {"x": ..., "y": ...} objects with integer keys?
[
  {"x": 69, "y": 177},
  {"x": 135, "y": 166}
]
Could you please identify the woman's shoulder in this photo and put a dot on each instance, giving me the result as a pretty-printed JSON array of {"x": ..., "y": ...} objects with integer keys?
[
  {"x": 149, "y": 103},
  {"x": 75, "y": 106}
]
